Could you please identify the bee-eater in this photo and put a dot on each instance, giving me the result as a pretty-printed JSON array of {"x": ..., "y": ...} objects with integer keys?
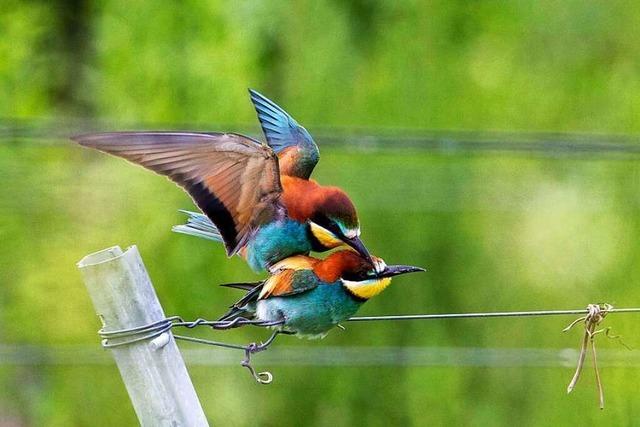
[
  {"x": 236, "y": 181},
  {"x": 332, "y": 224},
  {"x": 311, "y": 296}
]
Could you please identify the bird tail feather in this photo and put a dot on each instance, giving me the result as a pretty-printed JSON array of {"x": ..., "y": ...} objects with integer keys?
[
  {"x": 245, "y": 286},
  {"x": 245, "y": 306},
  {"x": 198, "y": 225}
]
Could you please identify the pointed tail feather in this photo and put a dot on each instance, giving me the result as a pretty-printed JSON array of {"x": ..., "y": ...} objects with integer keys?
[
  {"x": 234, "y": 313},
  {"x": 198, "y": 225},
  {"x": 245, "y": 306},
  {"x": 242, "y": 286}
]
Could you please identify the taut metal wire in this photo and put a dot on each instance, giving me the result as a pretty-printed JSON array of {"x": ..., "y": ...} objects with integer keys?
[
  {"x": 592, "y": 316},
  {"x": 484, "y": 315}
]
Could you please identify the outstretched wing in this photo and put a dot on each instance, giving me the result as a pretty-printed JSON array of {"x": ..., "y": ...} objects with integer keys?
[
  {"x": 297, "y": 152},
  {"x": 232, "y": 178}
]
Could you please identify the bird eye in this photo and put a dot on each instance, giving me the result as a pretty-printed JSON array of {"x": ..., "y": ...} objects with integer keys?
[
  {"x": 338, "y": 227},
  {"x": 334, "y": 227}
]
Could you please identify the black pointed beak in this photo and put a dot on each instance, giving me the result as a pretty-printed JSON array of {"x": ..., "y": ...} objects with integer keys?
[
  {"x": 359, "y": 247},
  {"x": 395, "y": 270}
]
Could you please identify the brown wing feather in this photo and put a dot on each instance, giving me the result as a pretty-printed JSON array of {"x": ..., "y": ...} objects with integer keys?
[{"x": 232, "y": 178}]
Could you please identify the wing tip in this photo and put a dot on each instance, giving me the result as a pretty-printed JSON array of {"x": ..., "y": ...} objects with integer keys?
[
  {"x": 263, "y": 104},
  {"x": 98, "y": 139},
  {"x": 83, "y": 139},
  {"x": 255, "y": 95},
  {"x": 256, "y": 98}
]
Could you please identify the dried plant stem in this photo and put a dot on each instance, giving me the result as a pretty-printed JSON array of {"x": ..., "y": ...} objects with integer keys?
[{"x": 596, "y": 314}]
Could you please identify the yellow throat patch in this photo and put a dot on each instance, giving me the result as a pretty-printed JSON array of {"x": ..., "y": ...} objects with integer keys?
[
  {"x": 368, "y": 288},
  {"x": 325, "y": 237}
]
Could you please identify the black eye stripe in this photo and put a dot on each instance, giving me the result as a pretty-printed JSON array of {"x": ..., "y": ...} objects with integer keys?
[
  {"x": 327, "y": 223},
  {"x": 333, "y": 227},
  {"x": 359, "y": 276}
]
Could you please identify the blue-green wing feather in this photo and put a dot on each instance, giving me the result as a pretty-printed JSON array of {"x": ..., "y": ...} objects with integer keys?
[{"x": 282, "y": 132}]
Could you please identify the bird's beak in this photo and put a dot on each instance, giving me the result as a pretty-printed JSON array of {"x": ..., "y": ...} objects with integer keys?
[
  {"x": 395, "y": 270},
  {"x": 359, "y": 247}
]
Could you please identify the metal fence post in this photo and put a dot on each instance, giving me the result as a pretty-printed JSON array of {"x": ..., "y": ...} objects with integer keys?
[{"x": 153, "y": 371}]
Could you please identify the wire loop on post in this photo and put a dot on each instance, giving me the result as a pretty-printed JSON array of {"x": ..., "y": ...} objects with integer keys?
[
  {"x": 134, "y": 335},
  {"x": 117, "y": 338}
]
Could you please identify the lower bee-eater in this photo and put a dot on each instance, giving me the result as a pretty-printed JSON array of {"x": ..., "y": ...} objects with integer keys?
[{"x": 311, "y": 296}]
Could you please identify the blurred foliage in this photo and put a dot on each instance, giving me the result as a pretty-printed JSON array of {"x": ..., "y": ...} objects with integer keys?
[
  {"x": 440, "y": 64},
  {"x": 495, "y": 231}
]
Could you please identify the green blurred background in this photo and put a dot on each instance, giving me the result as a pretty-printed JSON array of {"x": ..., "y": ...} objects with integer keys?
[{"x": 423, "y": 111}]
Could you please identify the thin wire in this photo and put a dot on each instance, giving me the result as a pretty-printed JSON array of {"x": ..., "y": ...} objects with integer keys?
[
  {"x": 209, "y": 342},
  {"x": 122, "y": 337},
  {"x": 484, "y": 315},
  {"x": 551, "y": 144},
  {"x": 222, "y": 324},
  {"x": 136, "y": 334}
]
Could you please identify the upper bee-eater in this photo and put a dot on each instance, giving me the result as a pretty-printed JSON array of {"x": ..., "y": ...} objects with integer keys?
[
  {"x": 311, "y": 296},
  {"x": 297, "y": 155},
  {"x": 258, "y": 197}
]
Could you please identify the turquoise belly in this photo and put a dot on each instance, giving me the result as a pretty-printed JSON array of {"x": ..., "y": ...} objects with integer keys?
[
  {"x": 277, "y": 241},
  {"x": 311, "y": 313}
]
